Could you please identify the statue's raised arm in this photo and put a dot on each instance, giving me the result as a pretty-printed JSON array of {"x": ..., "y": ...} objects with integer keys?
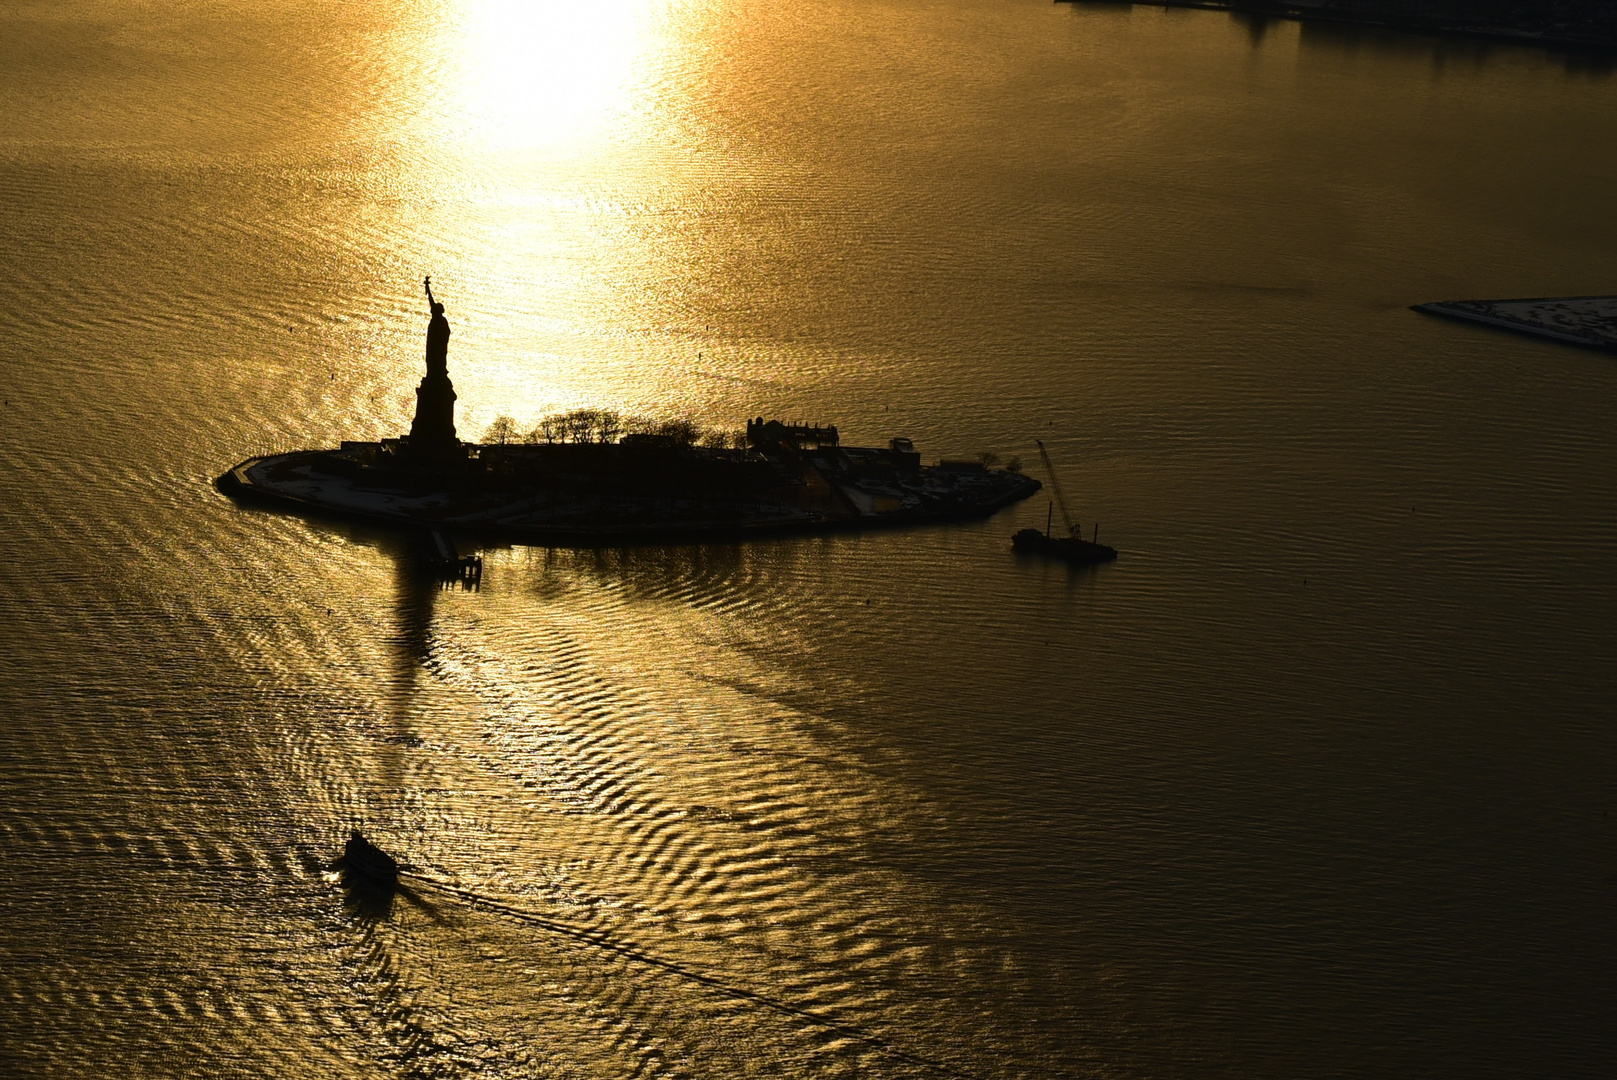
[{"x": 431, "y": 303}]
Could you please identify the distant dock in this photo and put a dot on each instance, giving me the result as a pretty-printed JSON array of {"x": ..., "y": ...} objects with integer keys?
[{"x": 1590, "y": 321}]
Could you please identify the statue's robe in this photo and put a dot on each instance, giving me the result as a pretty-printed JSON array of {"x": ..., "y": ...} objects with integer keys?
[{"x": 434, "y": 425}]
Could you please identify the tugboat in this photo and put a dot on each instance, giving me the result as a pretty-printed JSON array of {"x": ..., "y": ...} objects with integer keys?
[
  {"x": 1072, "y": 547},
  {"x": 365, "y": 865}
]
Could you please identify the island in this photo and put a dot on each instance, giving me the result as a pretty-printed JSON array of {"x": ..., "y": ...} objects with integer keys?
[
  {"x": 1561, "y": 24},
  {"x": 586, "y": 483},
  {"x": 1590, "y": 321}
]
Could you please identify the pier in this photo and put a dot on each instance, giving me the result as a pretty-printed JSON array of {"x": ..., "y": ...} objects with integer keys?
[{"x": 448, "y": 563}]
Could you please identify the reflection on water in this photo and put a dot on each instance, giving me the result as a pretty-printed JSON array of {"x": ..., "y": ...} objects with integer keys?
[
  {"x": 1314, "y": 779},
  {"x": 1257, "y": 25}
]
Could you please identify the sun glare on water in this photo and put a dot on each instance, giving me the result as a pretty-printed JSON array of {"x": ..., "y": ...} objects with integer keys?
[
  {"x": 547, "y": 75},
  {"x": 542, "y": 130}
]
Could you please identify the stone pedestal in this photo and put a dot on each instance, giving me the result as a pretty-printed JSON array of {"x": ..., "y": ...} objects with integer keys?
[{"x": 433, "y": 430}]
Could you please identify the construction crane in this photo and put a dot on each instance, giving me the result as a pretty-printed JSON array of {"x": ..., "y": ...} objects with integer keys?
[
  {"x": 1055, "y": 486},
  {"x": 1072, "y": 547}
]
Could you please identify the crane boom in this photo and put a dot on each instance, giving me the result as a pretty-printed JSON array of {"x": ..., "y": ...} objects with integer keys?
[{"x": 1055, "y": 486}]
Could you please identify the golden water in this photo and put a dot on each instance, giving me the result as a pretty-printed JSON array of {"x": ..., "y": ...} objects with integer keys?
[{"x": 1314, "y": 781}]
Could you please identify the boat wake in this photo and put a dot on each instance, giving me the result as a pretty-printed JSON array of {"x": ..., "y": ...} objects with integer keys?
[{"x": 605, "y": 942}]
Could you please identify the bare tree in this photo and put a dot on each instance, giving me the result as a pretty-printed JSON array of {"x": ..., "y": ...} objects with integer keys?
[
  {"x": 502, "y": 431},
  {"x": 578, "y": 426},
  {"x": 683, "y": 432}
]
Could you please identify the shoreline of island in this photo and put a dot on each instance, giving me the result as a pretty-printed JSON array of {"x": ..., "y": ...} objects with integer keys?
[
  {"x": 640, "y": 491},
  {"x": 1593, "y": 26}
]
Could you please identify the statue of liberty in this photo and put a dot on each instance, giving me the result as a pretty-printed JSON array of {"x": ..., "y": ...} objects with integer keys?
[{"x": 434, "y": 425}]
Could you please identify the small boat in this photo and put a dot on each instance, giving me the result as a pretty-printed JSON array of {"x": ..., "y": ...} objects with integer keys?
[
  {"x": 1072, "y": 548},
  {"x": 363, "y": 862}
]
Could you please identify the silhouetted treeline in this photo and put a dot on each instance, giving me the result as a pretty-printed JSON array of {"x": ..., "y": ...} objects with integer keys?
[{"x": 606, "y": 426}]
